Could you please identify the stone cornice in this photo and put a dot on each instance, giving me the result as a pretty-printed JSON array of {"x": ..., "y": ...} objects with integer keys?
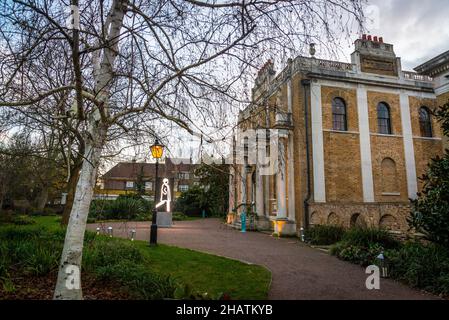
[{"x": 434, "y": 66}]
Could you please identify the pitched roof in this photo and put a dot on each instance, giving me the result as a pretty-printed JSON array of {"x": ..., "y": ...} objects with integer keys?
[{"x": 131, "y": 170}]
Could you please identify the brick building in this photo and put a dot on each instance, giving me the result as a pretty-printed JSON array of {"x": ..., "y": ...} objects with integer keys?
[
  {"x": 353, "y": 139},
  {"x": 124, "y": 176}
]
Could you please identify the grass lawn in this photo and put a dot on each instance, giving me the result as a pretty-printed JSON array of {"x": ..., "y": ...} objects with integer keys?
[
  {"x": 203, "y": 273},
  {"x": 209, "y": 273}
]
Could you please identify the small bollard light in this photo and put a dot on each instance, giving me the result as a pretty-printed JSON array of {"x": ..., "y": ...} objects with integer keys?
[
  {"x": 301, "y": 233},
  {"x": 98, "y": 231},
  {"x": 382, "y": 264},
  {"x": 133, "y": 234},
  {"x": 110, "y": 232}
]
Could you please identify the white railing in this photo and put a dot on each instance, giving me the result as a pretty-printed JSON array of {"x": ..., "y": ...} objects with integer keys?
[
  {"x": 416, "y": 76},
  {"x": 303, "y": 62}
]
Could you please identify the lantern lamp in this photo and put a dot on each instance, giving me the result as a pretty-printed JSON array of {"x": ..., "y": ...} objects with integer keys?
[
  {"x": 98, "y": 231},
  {"x": 133, "y": 234},
  {"x": 302, "y": 234},
  {"x": 110, "y": 232},
  {"x": 383, "y": 265},
  {"x": 157, "y": 150}
]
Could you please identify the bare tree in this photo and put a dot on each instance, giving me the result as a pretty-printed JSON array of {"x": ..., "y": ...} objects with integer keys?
[{"x": 139, "y": 65}]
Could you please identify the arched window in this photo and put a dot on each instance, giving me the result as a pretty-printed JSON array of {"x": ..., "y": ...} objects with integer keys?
[
  {"x": 425, "y": 122},
  {"x": 339, "y": 115},
  {"x": 388, "y": 222},
  {"x": 332, "y": 219},
  {"x": 314, "y": 218},
  {"x": 389, "y": 176},
  {"x": 383, "y": 118},
  {"x": 357, "y": 221}
]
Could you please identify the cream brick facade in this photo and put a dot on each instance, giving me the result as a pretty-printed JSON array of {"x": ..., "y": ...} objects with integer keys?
[{"x": 358, "y": 176}]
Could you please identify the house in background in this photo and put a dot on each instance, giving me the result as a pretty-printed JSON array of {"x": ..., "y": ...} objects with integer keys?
[{"x": 124, "y": 178}]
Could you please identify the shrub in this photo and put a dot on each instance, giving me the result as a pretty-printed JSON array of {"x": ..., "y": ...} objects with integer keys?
[
  {"x": 179, "y": 216},
  {"x": 364, "y": 237},
  {"x": 363, "y": 255},
  {"x": 6, "y": 216},
  {"x": 323, "y": 234},
  {"x": 140, "y": 282},
  {"x": 363, "y": 245},
  {"x": 36, "y": 250},
  {"x": 192, "y": 202},
  {"x": 115, "y": 260},
  {"x": 22, "y": 220},
  {"x": 124, "y": 207},
  {"x": 47, "y": 211},
  {"x": 421, "y": 266},
  {"x": 430, "y": 212},
  {"x": 103, "y": 252}
]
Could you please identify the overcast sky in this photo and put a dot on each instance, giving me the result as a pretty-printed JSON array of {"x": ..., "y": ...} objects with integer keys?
[{"x": 418, "y": 29}]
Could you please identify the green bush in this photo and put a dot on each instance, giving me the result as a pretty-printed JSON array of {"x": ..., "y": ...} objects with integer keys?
[
  {"x": 47, "y": 211},
  {"x": 140, "y": 282},
  {"x": 363, "y": 255},
  {"x": 430, "y": 212},
  {"x": 179, "y": 216},
  {"x": 424, "y": 266},
  {"x": 421, "y": 266},
  {"x": 364, "y": 237},
  {"x": 35, "y": 250},
  {"x": 324, "y": 234},
  {"x": 123, "y": 208},
  {"x": 192, "y": 202},
  {"x": 22, "y": 220},
  {"x": 363, "y": 245},
  {"x": 104, "y": 252}
]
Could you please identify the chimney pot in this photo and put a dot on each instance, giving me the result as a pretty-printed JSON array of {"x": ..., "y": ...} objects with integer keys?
[
  {"x": 370, "y": 38},
  {"x": 381, "y": 40},
  {"x": 375, "y": 39},
  {"x": 364, "y": 37}
]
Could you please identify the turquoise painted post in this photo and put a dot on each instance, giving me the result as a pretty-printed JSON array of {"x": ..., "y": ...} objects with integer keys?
[
  {"x": 204, "y": 213},
  {"x": 243, "y": 220}
]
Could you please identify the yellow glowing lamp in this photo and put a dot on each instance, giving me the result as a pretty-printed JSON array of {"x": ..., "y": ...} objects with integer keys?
[{"x": 157, "y": 150}]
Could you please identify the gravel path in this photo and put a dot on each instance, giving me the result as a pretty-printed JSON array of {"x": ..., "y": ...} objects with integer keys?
[{"x": 298, "y": 271}]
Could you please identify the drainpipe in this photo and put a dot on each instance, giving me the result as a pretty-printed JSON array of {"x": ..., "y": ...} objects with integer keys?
[{"x": 305, "y": 85}]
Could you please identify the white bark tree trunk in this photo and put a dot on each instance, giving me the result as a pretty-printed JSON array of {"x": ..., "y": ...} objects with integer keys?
[{"x": 68, "y": 286}]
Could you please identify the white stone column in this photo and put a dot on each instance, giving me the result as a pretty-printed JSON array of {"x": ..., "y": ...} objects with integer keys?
[
  {"x": 365, "y": 145},
  {"x": 259, "y": 195},
  {"x": 281, "y": 177},
  {"x": 243, "y": 189},
  {"x": 266, "y": 195},
  {"x": 409, "y": 150},
  {"x": 291, "y": 180},
  {"x": 319, "y": 187}
]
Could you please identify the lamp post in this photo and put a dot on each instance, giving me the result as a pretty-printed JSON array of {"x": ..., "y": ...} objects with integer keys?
[{"x": 157, "y": 151}]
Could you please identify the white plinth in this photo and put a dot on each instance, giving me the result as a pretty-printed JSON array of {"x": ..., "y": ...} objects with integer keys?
[{"x": 164, "y": 220}]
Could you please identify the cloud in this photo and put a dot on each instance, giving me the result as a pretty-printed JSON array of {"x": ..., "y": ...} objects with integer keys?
[{"x": 418, "y": 29}]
